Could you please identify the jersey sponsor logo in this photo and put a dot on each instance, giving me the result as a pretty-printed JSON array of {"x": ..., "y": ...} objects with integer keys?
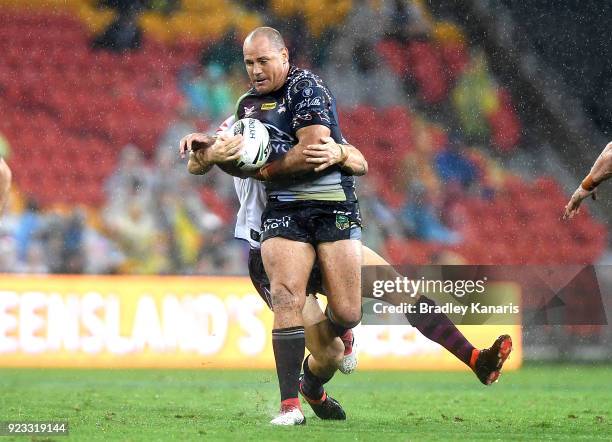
[
  {"x": 268, "y": 106},
  {"x": 275, "y": 223},
  {"x": 308, "y": 102},
  {"x": 248, "y": 111},
  {"x": 252, "y": 132},
  {"x": 279, "y": 141},
  {"x": 342, "y": 222}
]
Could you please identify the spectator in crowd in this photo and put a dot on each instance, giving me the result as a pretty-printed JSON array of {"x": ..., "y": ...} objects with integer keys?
[
  {"x": 184, "y": 123},
  {"x": 167, "y": 171},
  {"x": 134, "y": 231},
  {"x": 186, "y": 221},
  {"x": 29, "y": 228},
  {"x": 35, "y": 261},
  {"x": 452, "y": 166},
  {"x": 53, "y": 238},
  {"x": 130, "y": 183},
  {"x": 420, "y": 219},
  {"x": 207, "y": 92},
  {"x": 359, "y": 55},
  {"x": 74, "y": 228},
  {"x": 122, "y": 34},
  {"x": 474, "y": 97},
  {"x": 418, "y": 168},
  {"x": 224, "y": 51},
  {"x": 193, "y": 86},
  {"x": 373, "y": 208},
  {"x": 160, "y": 261},
  {"x": 220, "y": 102},
  {"x": 103, "y": 256},
  {"x": 8, "y": 250}
]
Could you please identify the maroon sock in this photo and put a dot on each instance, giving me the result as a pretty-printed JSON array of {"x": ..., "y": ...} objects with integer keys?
[
  {"x": 288, "y": 345},
  {"x": 439, "y": 328}
]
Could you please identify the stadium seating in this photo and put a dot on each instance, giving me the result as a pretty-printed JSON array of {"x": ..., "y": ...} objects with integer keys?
[
  {"x": 73, "y": 109},
  {"x": 71, "y": 102},
  {"x": 195, "y": 20}
]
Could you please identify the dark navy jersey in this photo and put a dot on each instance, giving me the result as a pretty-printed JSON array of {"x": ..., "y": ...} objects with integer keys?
[{"x": 304, "y": 100}]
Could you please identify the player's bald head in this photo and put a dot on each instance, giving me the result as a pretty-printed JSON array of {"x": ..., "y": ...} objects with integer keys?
[
  {"x": 272, "y": 35},
  {"x": 266, "y": 59}
]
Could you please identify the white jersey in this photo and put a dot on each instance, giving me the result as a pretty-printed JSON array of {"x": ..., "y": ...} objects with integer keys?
[{"x": 252, "y": 196}]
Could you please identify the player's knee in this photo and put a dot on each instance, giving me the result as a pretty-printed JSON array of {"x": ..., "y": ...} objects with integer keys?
[
  {"x": 286, "y": 297},
  {"x": 349, "y": 316}
]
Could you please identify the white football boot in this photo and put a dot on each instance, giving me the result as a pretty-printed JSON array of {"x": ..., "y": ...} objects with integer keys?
[
  {"x": 292, "y": 416},
  {"x": 349, "y": 360}
]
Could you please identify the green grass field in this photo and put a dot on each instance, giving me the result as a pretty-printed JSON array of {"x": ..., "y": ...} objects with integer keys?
[{"x": 539, "y": 402}]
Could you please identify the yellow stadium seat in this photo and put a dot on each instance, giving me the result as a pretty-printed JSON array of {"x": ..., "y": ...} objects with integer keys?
[
  {"x": 286, "y": 8},
  {"x": 13, "y": 4},
  {"x": 193, "y": 5},
  {"x": 342, "y": 8},
  {"x": 204, "y": 5},
  {"x": 157, "y": 27},
  {"x": 96, "y": 20},
  {"x": 198, "y": 26},
  {"x": 245, "y": 23},
  {"x": 446, "y": 32},
  {"x": 215, "y": 26}
]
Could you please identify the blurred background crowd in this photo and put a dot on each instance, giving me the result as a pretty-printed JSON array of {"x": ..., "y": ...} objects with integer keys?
[
  {"x": 100, "y": 92},
  {"x": 473, "y": 148}
]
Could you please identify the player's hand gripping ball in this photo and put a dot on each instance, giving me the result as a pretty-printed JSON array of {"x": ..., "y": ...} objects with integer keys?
[{"x": 256, "y": 145}]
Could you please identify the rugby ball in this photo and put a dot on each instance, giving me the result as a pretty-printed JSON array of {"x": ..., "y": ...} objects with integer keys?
[{"x": 256, "y": 145}]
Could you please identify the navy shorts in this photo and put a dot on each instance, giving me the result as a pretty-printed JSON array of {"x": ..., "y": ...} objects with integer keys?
[{"x": 311, "y": 222}]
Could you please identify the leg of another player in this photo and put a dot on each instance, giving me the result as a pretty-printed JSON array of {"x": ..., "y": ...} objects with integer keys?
[
  {"x": 340, "y": 263},
  {"x": 326, "y": 354},
  {"x": 325, "y": 347},
  {"x": 439, "y": 328},
  {"x": 288, "y": 265}
]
